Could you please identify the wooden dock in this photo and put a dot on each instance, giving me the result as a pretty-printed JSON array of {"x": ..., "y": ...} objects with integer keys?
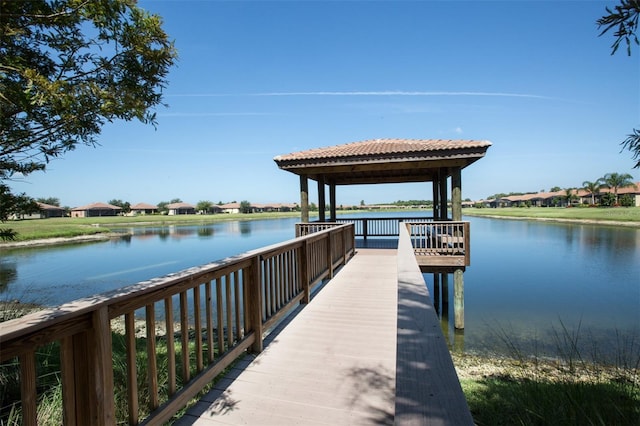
[{"x": 336, "y": 360}]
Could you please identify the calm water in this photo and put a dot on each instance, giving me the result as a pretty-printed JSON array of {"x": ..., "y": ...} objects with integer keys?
[
  {"x": 536, "y": 285},
  {"x": 530, "y": 283}
]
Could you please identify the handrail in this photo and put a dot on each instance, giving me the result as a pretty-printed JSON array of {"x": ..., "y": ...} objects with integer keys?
[
  {"x": 212, "y": 314},
  {"x": 380, "y": 226},
  {"x": 435, "y": 239},
  {"x": 427, "y": 387}
]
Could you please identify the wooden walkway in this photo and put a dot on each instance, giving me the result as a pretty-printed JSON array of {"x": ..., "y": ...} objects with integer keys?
[
  {"x": 334, "y": 364},
  {"x": 367, "y": 350}
]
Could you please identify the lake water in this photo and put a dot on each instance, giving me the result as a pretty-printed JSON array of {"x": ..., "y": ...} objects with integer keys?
[{"x": 530, "y": 285}]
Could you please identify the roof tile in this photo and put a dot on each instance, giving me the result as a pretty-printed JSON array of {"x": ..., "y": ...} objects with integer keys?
[{"x": 383, "y": 147}]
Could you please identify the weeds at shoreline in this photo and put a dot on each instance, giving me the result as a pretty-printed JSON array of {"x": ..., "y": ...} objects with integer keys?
[{"x": 572, "y": 388}]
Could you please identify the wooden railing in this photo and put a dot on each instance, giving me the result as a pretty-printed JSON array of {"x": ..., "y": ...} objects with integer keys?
[
  {"x": 428, "y": 391},
  {"x": 192, "y": 325},
  {"x": 380, "y": 227},
  {"x": 440, "y": 243}
]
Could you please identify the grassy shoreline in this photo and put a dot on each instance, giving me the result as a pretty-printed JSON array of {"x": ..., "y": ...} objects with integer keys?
[
  {"x": 613, "y": 216},
  {"x": 96, "y": 228},
  {"x": 70, "y": 229}
]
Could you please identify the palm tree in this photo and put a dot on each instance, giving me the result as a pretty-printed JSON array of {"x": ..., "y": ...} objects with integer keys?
[
  {"x": 592, "y": 188},
  {"x": 617, "y": 180},
  {"x": 568, "y": 193}
]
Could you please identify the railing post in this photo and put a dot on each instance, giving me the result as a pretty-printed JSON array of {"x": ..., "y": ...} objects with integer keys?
[
  {"x": 303, "y": 266},
  {"x": 87, "y": 372},
  {"x": 330, "y": 253},
  {"x": 28, "y": 389},
  {"x": 255, "y": 303},
  {"x": 364, "y": 228},
  {"x": 467, "y": 243},
  {"x": 343, "y": 233}
]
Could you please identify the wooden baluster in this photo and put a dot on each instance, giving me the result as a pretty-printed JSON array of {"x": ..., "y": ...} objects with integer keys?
[
  {"x": 209, "y": 314},
  {"x": 237, "y": 299},
  {"x": 152, "y": 367},
  {"x": 171, "y": 348},
  {"x": 132, "y": 372},
  {"x": 198, "y": 328},
  {"x": 229, "y": 306},
  {"x": 221, "y": 347},
  {"x": 184, "y": 330}
]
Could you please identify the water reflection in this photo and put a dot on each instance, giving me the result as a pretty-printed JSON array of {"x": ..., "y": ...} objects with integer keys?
[
  {"x": 8, "y": 274},
  {"x": 58, "y": 274},
  {"x": 527, "y": 283},
  {"x": 537, "y": 287},
  {"x": 205, "y": 232}
]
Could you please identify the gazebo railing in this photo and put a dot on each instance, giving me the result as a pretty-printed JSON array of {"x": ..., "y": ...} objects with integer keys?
[
  {"x": 441, "y": 243},
  {"x": 380, "y": 227}
]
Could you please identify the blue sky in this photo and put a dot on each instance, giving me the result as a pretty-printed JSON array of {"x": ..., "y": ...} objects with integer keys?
[{"x": 256, "y": 79}]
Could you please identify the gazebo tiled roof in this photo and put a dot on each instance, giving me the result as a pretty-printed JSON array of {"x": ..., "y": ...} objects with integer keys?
[{"x": 384, "y": 160}]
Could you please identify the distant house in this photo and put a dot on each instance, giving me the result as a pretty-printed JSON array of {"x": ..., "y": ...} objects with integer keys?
[
  {"x": 213, "y": 209},
  {"x": 96, "y": 210},
  {"x": 180, "y": 208},
  {"x": 142, "y": 209},
  {"x": 230, "y": 208},
  {"x": 272, "y": 207},
  {"x": 259, "y": 207},
  {"x": 559, "y": 198},
  {"x": 633, "y": 191},
  {"x": 47, "y": 211},
  {"x": 44, "y": 211}
]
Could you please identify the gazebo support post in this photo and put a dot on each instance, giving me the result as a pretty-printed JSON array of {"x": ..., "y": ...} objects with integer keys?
[
  {"x": 458, "y": 299},
  {"x": 443, "y": 195},
  {"x": 332, "y": 201},
  {"x": 458, "y": 275},
  {"x": 304, "y": 199},
  {"x": 321, "y": 202},
  {"x": 456, "y": 195},
  {"x": 436, "y": 197}
]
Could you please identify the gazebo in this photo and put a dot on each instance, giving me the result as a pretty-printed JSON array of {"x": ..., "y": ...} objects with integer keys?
[{"x": 380, "y": 161}]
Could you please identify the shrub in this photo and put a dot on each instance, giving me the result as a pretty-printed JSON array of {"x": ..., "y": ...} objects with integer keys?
[
  {"x": 626, "y": 200},
  {"x": 607, "y": 200}
]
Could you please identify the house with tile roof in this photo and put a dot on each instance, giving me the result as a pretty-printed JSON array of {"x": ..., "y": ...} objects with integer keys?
[
  {"x": 231, "y": 208},
  {"x": 96, "y": 210},
  {"x": 559, "y": 198},
  {"x": 180, "y": 208},
  {"x": 48, "y": 210},
  {"x": 142, "y": 209}
]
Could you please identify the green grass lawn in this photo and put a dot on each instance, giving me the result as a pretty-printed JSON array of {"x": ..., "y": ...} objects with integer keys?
[
  {"x": 616, "y": 214},
  {"x": 32, "y": 229}
]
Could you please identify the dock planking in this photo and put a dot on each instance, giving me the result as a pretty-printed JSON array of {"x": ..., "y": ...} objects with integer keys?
[
  {"x": 355, "y": 355},
  {"x": 333, "y": 364}
]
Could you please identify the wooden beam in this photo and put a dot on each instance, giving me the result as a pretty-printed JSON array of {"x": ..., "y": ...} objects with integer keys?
[
  {"x": 456, "y": 194},
  {"x": 443, "y": 195},
  {"x": 436, "y": 198},
  {"x": 304, "y": 199},
  {"x": 332, "y": 201},
  {"x": 321, "y": 201}
]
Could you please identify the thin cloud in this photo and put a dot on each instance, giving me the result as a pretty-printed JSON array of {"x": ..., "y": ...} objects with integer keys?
[
  {"x": 370, "y": 93},
  {"x": 213, "y": 114}
]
